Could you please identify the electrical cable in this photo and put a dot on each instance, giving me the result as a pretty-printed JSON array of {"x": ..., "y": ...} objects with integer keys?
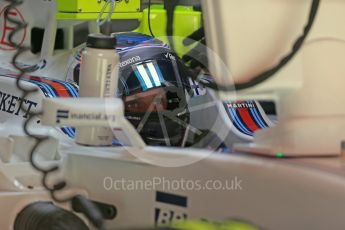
[
  {"x": 261, "y": 77},
  {"x": 149, "y": 19},
  {"x": 89, "y": 209},
  {"x": 170, "y": 6},
  {"x": 112, "y": 4},
  {"x": 267, "y": 74}
]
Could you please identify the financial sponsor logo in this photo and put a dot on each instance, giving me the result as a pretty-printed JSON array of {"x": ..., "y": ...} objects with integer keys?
[
  {"x": 62, "y": 114},
  {"x": 66, "y": 114}
]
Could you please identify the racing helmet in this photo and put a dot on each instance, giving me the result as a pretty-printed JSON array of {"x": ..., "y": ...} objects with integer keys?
[
  {"x": 154, "y": 90},
  {"x": 153, "y": 85}
]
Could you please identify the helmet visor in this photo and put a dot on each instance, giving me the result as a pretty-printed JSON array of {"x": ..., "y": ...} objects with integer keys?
[
  {"x": 154, "y": 100},
  {"x": 149, "y": 75}
]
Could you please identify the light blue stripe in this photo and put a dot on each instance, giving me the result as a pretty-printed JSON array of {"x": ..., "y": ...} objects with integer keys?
[
  {"x": 159, "y": 74},
  {"x": 142, "y": 83},
  {"x": 71, "y": 88},
  {"x": 46, "y": 87},
  {"x": 257, "y": 118},
  {"x": 239, "y": 123},
  {"x": 153, "y": 75},
  {"x": 145, "y": 76},
  {"x": 68, "y": 131},
  {"x": 117, "y": 142},
  {"x": 150, "y": 76},
  {"x": 71, "y": 131},
  {"x": 37, "y": 83}
]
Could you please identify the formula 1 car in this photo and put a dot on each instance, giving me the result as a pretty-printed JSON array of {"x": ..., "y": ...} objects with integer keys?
[{"x": 133, "y": 184}]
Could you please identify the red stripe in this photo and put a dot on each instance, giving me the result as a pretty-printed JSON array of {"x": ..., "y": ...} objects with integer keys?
[
  {"x": 8, "y": 28},
  {"x": 59, "y": 88},
  {"x": 12, "y": 13},
  {"x": 247, "y": 119},
  {"x": 62, "y": 91}
]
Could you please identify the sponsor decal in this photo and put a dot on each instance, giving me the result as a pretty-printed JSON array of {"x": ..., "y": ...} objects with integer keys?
[
  {"x": 197, "y": 89},
  {"x": 170, "y": 208},
  {"x": 241, "y": 105},
  {"x": 62, "y": 114},
  {"x": 11, "y": 104},
  {"x": 7, "y": 27},
  {"x": 51, "y": 89},
  {"x": 108, "y": 82},
  {"x": 170, "y": 56},
  {"x": 129, "y": 61},
  {"x": 90, "y": 117},
  {"x": 246, "y": 117}
]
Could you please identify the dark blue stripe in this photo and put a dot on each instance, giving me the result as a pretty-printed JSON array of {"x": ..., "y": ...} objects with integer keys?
[
  {"x": 117, "y": 143},
  {"x": 258, "y": 119},
  {"x": 62, "y": 111},
  {"x": 171, "y": 199},
  {"x": 68, "y": 131},
  {"x": 70, "y": 89},
  {"x": 261, "y": 117},
  {"x": 48, "y": 92},
  {"x": 46, "y": 87},
  {"x": 62, "y": 116}
]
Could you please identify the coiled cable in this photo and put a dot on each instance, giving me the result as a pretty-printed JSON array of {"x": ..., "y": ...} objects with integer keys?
[
  {"x": 262, "y": 76},
  {"x": 89, "y": 209},
  {"x": 112, "y": 4}
]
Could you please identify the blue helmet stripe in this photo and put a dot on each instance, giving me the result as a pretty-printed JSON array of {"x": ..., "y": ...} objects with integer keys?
[
  {"x": 239, "y": 123},
  {"x": 142, "y": 83}
]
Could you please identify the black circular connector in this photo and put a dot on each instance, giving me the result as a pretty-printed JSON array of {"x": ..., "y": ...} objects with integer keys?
[
  {"x": 101, "y": 41},
  {"x": 47, "y": 216}
]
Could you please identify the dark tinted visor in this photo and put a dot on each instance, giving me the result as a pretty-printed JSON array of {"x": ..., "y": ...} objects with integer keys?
[{"x": 154, "y": 100}]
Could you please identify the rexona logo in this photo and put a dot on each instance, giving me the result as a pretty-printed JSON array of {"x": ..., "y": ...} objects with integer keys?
[
  {"x": 129, "y": 61},
  {"x": 170, "y": 208}
]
